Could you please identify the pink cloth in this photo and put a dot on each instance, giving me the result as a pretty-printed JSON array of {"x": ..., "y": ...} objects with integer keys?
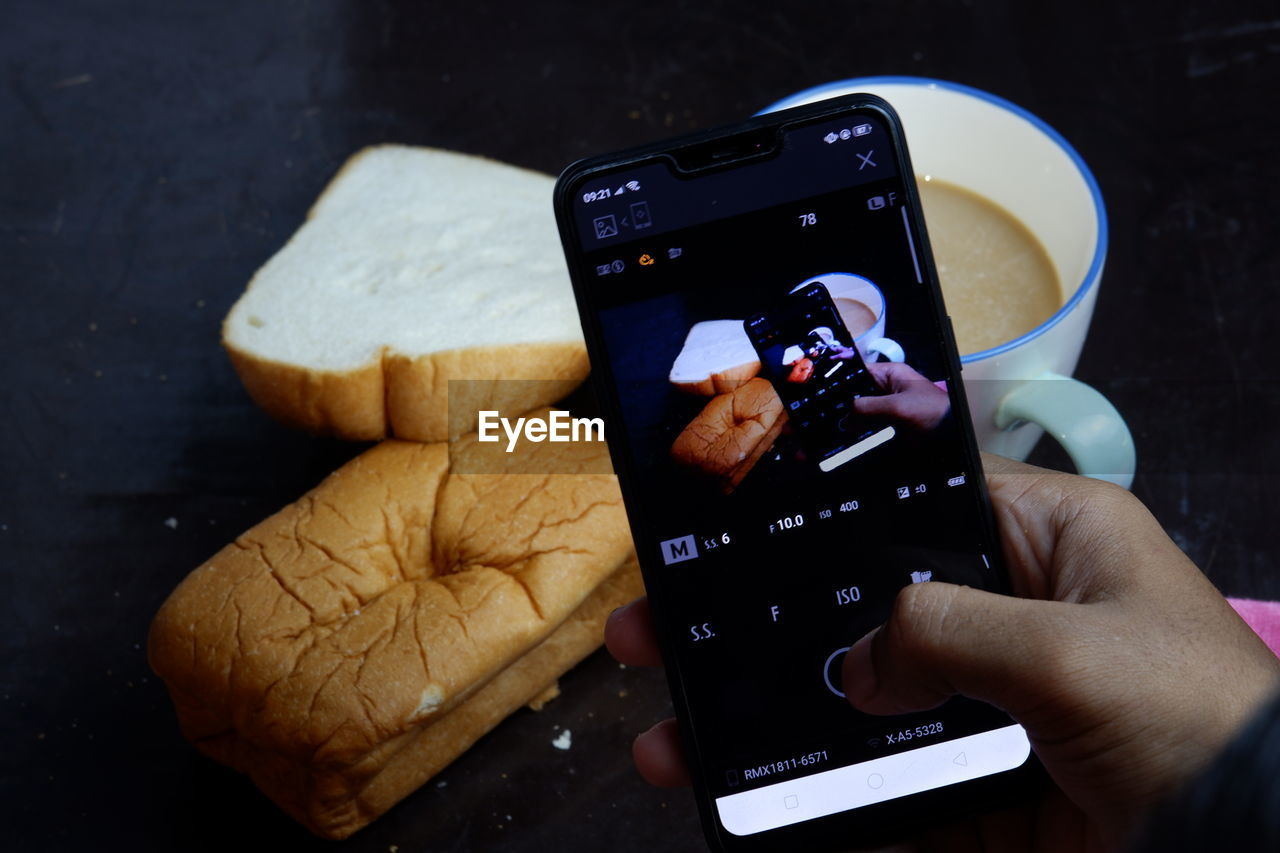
[{"x": 1263, "y": 617}]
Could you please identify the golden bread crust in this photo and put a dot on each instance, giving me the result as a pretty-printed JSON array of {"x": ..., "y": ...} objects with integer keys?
[
  {"x": 354, "y": 623},
  {"x": 408, "y": 396},
  {"x": 727, "y": 437}
]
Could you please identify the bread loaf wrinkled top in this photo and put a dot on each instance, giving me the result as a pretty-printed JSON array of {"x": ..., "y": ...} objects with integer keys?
[{"x": 383, "y": 598}]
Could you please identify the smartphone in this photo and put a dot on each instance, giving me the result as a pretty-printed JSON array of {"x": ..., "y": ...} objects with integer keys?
[
  {"x": 793, "y": 237},
  {"x": 809, "y": 355}
]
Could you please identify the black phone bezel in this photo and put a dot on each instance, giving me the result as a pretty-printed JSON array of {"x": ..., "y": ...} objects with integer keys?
[{"x": 872, "y": 824}]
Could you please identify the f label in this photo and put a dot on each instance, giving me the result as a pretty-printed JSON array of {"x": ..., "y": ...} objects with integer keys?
[{"x": 559, "y": 426}]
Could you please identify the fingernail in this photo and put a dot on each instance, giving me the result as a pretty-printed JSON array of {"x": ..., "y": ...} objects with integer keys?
[{"x": 860, "y": 682}]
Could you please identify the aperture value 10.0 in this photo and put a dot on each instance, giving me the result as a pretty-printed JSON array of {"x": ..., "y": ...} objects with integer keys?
[{"x": 787, "y": 522}]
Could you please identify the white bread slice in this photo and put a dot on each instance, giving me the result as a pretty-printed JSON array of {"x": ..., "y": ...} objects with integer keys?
[
  {"x": 415, "y": 266},
  {"x": 716, "y": 358}
]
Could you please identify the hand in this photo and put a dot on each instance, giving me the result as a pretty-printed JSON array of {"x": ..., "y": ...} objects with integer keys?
[
  {"x": 911, "y": 398},
  {"x": 1127, "y": 668}
]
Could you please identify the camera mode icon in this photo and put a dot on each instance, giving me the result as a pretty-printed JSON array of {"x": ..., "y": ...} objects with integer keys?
[{"x": 678, "y": 550}]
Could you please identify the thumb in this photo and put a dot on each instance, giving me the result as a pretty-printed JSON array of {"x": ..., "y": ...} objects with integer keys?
[{"x": 941, "y": 640}]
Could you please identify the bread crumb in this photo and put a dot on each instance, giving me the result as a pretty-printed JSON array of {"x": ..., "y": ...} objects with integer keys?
[
  {"x": 564, "y": 740},
  {"x": 171, "y": 523},
  {"x": 256, "y": 321}
]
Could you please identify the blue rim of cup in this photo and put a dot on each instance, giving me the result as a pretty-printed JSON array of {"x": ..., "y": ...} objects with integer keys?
[{"x": 1100, "y": 249}]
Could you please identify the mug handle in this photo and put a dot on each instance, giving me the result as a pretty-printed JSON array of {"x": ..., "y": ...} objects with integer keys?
[
  {"x": 1083, "y": 421},
  {"x": 887, "y": 347}
]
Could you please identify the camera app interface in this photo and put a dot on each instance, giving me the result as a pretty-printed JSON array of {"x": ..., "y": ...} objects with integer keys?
[{"x": 792, "y": 457}]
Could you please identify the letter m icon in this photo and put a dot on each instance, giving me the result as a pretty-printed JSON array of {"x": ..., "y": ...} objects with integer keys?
[{"x": 678, "y": 550}]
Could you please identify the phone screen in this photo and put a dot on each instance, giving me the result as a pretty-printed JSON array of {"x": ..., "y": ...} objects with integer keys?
[{"x": 739, "y": 322}]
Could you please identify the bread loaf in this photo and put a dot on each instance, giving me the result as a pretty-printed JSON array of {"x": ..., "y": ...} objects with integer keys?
[
  {"x": 347, "y": 648},
  {"x": 415, "y": 267},
  {"x": 734, "y": 430},
  {"x": 716, "y": 358}
]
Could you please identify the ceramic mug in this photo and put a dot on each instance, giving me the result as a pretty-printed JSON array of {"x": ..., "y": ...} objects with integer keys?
[
  {"x": 1023, "y": 387},
  {"x": 872, "y": 343}
]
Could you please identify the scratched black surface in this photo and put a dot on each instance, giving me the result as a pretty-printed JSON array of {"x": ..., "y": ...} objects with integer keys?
[{"x": 153, "y": 155}]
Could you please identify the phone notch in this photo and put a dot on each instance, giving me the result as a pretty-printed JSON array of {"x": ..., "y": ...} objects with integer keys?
[{"x": 757, "y": 144}]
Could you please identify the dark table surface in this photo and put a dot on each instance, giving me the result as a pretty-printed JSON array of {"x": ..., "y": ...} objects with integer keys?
[{"x": 154, "y": 154}]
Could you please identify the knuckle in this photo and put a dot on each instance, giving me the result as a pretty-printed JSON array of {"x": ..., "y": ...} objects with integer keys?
[{"x": 1101, "y": 496}]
